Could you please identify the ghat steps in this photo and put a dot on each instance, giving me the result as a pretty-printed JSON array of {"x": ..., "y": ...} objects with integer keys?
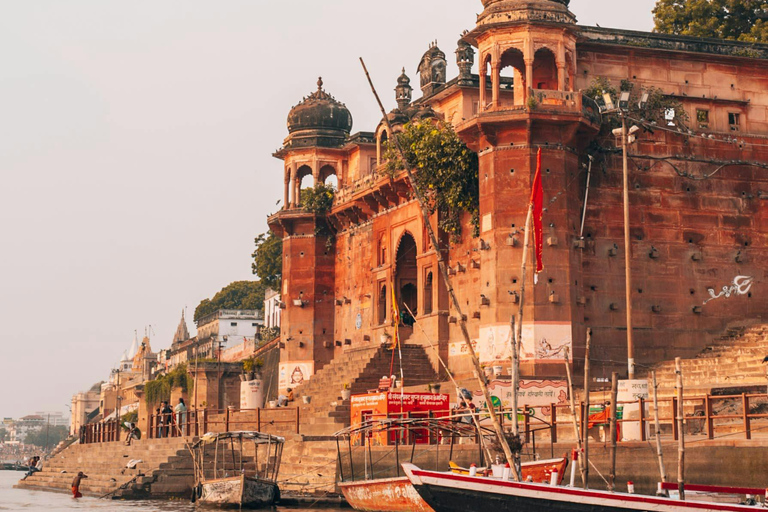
[
  {"x": 361, "y": 368},
  {"x": 734, "y": 361}
]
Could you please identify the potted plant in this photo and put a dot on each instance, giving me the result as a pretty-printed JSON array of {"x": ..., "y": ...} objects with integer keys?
[
  {"x": 346, "y": 391},
  {"x": 258, "y": 364},
  {"x": 248, "y": 369}
]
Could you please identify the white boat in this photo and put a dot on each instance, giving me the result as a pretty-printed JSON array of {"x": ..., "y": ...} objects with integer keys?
[
  {"x": 237, "y": 469},
  {"x": 450, "y": 492}
]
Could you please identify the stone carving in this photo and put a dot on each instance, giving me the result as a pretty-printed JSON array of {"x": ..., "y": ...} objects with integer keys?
[
  {"x": 465, "y": 58},
  {"x": 432, "y": 68},
  {"x": 740, "y": 286}
]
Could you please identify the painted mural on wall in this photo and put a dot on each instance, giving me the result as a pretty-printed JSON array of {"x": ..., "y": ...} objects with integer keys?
[
  {"x": 740, "y": 286},
  {"x": 295, "y": 373},
  {"x": 542, "y": 342},
  {"x": 536, "y": 395}
]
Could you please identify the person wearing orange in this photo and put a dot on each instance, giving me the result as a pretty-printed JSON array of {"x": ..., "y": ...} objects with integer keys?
[{"x": 76, "y": 484}]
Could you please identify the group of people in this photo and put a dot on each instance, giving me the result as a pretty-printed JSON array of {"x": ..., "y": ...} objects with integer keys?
[
  {"x": 34, "y": 464},
  {"x": 165, "y": 417}
]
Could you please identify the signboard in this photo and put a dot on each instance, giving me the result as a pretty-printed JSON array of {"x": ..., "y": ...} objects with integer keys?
[
  {"x": 631, "y": 390},
  {"x": 294, "y": 373},
  {"x": 537, "y": 395},
  {"x": 378, "y": 406}
]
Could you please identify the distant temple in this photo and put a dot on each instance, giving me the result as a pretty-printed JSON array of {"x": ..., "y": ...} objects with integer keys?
[{"x": 697, "y": 201}]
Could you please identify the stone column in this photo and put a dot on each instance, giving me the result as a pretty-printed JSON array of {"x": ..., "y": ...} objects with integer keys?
[
  {"x": 528, "y": 77},
  {"x": 287, "y": 180},
  {"x": 496, "y": 81},
  {"x": 293, "y": 185},
  {"x": 561, "y": 76},
  {"x": 481, "y": 107}
]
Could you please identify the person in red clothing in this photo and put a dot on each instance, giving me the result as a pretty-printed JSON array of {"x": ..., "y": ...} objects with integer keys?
[{"x": 76, "y": 485}]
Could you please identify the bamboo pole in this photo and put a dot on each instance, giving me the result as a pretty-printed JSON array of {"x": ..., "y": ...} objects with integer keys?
[
  {"x": 515, "y": 387},
  {"x": 446, "y": 278},
  {"x": 659, "y": 453},
  {"x": 573, "y": 416},
  {"x": 586, "y": 413},
  {"x": 526, "y": 245},
  {"x": 614, "y": 418},
  {"x": 680, "y": 430}
]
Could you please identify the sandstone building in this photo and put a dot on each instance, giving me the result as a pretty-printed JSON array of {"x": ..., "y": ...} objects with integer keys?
[{"x": 698, "y": 198}]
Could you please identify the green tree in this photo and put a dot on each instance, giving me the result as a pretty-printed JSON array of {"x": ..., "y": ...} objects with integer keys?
[
  {"x": 446, "y": 171},
  {"x": 237, "y": 295},
  {"x": 3, "y": 435},
  {"x": 738, "y": 20},
  {"x": 46, "y": 437},
  {"x": 268, "y": 260}
]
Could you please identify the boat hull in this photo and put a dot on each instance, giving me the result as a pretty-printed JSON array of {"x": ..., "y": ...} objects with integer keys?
[
  {"x": 239, "y": 491},
  {"x": 384, "y": 495},
  {"x": 459, "y": 493}
]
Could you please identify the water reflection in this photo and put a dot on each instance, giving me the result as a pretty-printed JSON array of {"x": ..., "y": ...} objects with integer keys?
[{"x": 18, "y": 499}]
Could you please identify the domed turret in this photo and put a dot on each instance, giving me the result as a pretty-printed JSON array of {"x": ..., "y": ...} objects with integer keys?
[
  {"x": 505, "y": 11},
  {"x": 319, "y": 120},
  {"x": 432, "y": 69},
  {"x": 403, "y": 91}
]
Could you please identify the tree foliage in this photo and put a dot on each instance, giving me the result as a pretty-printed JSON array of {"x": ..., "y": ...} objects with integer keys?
[
  {"x": 446, "y": 171},
  {"x": 268, "y": 260},
  {"x": 3, "y": 435},
  {"x": 654, "y": 110},
  {"x": 46, "y": 437},
  {"x": 236, "y": 295},
  {"x": 317, "y": 200},
  {"x": 738, "y": 20},
  {"x": 159, "y": 390}
]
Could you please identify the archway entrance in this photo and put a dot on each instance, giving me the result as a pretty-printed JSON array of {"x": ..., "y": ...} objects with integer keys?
[{"x": 406, "y": 277}]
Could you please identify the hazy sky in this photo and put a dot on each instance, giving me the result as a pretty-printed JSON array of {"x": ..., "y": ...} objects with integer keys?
[{"x": 135, "y": 154}]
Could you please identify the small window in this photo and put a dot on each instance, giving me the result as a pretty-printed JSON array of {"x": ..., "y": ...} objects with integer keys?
[
  {"x": 734, "y": 121},
  {"x": 233, "y": 324},
  {"x": 254, "y": 324},
  {"x": 702, "y": 117}
]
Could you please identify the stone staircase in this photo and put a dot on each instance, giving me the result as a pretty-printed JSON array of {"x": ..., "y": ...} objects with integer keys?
[
  {"x": 734, "y": 361},
  {"x": 361, "y": 368},
  {"x": 166, "y": 469}
]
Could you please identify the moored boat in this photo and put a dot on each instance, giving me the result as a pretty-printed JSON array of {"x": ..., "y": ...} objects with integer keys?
[
  {"x": 450, "y": 492},
  {"x": 396, "y": 493},
  {"x": 241, "y": 472}
]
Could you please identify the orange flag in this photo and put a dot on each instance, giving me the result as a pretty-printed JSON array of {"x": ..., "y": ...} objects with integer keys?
[{"x": 537, "y": 201}]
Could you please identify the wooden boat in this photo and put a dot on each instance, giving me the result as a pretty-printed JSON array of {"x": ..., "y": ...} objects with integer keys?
[
  {"x": 450, "y": 492},
  {"x": 240, "y": 472},
  {"x": 397, "y": 494}
]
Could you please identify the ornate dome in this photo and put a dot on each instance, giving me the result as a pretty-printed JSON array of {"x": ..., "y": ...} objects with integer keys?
[
  {"x": 320, "y": 111},
  {"x": 505, "y": 11}
]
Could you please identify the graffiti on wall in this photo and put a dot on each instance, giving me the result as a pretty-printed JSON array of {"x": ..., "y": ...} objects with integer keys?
[
  {"x": 542, "y": 342},
  {"x": 740, "y": 286}
]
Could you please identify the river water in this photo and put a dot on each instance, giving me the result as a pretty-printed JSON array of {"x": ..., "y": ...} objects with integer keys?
[{"x": 33, "y": 501}]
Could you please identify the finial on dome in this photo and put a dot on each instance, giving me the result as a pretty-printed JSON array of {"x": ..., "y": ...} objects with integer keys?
[{"x": 320, "y": 84}]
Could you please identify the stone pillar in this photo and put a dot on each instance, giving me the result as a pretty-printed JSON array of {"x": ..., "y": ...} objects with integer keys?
[
  {"x": 496, "y": 81},
  {"x": 286, "y": 205},
  {"x": 481, "y": 107},
  {"x": 528, "y": 77},
  {"x": 561, "y": 76}
]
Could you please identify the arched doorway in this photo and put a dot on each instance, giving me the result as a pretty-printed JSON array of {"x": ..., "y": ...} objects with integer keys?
[
  {"x": 406, "y": 276},
  {"x": 545, "y": 70},
  {"x": 512, "y": 70}
]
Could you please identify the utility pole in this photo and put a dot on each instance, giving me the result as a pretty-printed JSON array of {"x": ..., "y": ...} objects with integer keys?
[{"x": 627, "y": 249}]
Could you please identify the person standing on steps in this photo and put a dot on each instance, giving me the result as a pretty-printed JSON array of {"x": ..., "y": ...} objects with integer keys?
[
  {"x": 167, "y": 415},
  {"x": 76, "y": 484},
  {"x": 181, "y": 415}
]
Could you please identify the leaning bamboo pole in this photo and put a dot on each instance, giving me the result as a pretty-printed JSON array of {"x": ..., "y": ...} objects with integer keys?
[
  {"x": 614, "y": 417},
  {"x": 659, "y": 453},
  {"x": 446, "y": 278},
  {"x": 515, "y": 387},
  {"x": 680, "y": 430},
  {"x": 586, "y": 411},
  {"x": 574, "y": 417}
]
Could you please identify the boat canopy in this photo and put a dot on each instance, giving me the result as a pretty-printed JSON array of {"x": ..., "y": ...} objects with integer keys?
[
  {"x": 250, "y": 435},
  {"x": 446, "y": 425}
]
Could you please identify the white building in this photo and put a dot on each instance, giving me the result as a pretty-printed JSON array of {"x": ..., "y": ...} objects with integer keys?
[
  {"x": 272, "y": 309},
  {"x": 227, "y": 327}
]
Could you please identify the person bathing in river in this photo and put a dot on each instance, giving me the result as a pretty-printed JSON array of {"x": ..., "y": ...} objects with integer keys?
[{"x": 76, "y": 484}]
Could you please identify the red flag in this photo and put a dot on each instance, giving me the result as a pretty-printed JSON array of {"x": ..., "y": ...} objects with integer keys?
[{"x": 537, "y": 201}]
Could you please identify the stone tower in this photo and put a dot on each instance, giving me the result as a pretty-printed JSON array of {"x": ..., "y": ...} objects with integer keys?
[
  {"x": 318, "y": 127},
  {"x": 526, "y": 51}
]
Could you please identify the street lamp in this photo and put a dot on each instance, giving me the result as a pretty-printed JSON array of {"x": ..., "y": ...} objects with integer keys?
[{"x": 627, "y": 137}]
